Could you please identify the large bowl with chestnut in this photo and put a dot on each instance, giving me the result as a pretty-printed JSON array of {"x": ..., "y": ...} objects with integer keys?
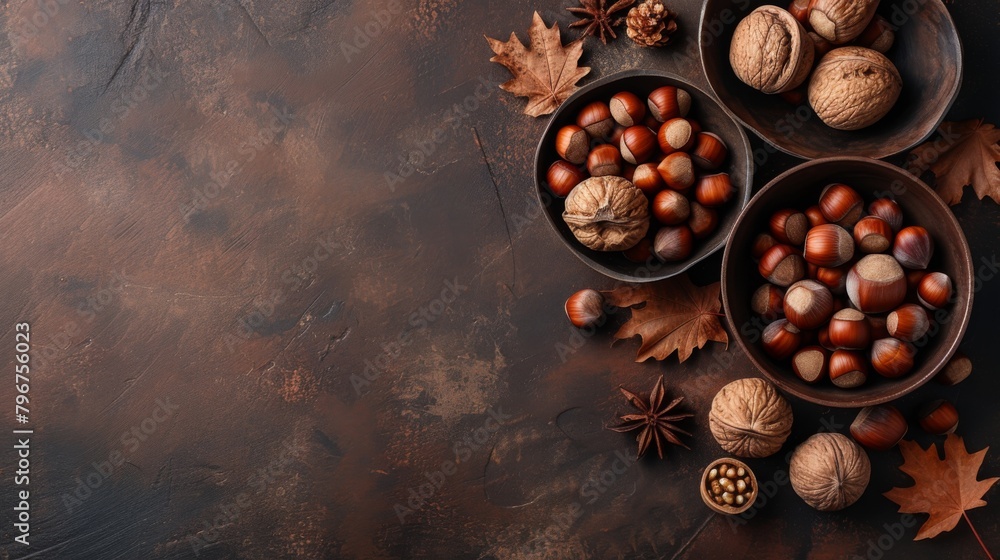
[
  {"x": 847, "y": 281},
  {"x": 642, "y": 175},
  {"x": 875, "y": 94}
]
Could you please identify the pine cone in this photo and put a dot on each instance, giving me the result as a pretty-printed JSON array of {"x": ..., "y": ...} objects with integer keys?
[{"x": 650, "y": 24}]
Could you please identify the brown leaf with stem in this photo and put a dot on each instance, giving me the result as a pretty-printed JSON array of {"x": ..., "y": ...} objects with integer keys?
[
  {"x": 966, "y": 153},
  {"x": 945, "y": 489},
  {"x": 653, "y": 419},
  {"x": 546, "y": 73},
  {"x": 677, "y": 316}
]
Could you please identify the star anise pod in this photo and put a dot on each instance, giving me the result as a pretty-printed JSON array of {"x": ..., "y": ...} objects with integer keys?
[
  {"x": 654, "y": 419},
  {"x": 599, "y": 20}
]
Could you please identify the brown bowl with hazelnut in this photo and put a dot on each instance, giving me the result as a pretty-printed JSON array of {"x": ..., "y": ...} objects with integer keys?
[
  {"x": 728, "y": 486},
  {"x": 818, "y": 78},
  {"x": 642, "y": 175},
  {"x": 847, "y": 281}
]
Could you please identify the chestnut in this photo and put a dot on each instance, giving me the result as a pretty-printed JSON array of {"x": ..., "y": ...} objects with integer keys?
[
  {"x": 879, "y": 427},
  {"x": 709, "y": 151},
  {"x": 908, "y": 323},
  {"x": 934, "y": 290},
  {"x": 596, "y": 119},
  {"x": 938, "y": 417},
  {"x": 637, "y": 144},
  {"x": 562, "y": 176},
  {"x": 781, "y": 339},
  {"x": 768, "y": 301},
  {"x": 835, "y": 279},
  {"x": 789, "y": 226},
  {"x": 675, "y": 135},
  {"x": 876, "y": 284},
  {"x": 873, "y": 235},
  {"x": 604, "y": 160},
  {"x": 849, "y": 329},
  {"x": 955, "y": 371},
  {"x": 671, "y": 207},
  {"x": 761, "y": 244},
  {"x": 848, "y": 369},
  {"x": 815, "y": 216},
  {"x": 668, "y": 102},
  {"x": 673, "y": 243},
  {"x": 585, "y": 308},
  {"x": 647, "y": 179},
  {"x": 808, "y": 304},
  {"x": 841, "y": 205},
  {"x": 703, "y": 221},
  {"x": 572, "y": 144},
  {"x": 782, "y": 265},
  {"x": 714, "y": 190},
  {"x": 640, "y": 252},
  {"x": 892, "y": 357},
  {"x": 828, "y": 245},
  {"x": 627, "y": 109},
  {"x": 888, "y": 210},
  {"x": 677, "y": 171},
  {"x": 811, "y": 363},
  {"x": 913, "y": 247}
]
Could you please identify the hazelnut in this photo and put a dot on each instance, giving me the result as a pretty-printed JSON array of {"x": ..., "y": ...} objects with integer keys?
[
  {"x": 637, "y": 144},
  {"x": 647, "y": 179},
  {"x": 761, "y": 244},
  {"x": 877, "y": 36},
  {"x": 703, "y": 221},
  {"x": 709, "y": 151},
  {"x": 713, "y": 190},
  {"x": 835, "y": 279},
  {"x": 913, "y": 247},
  {"x": 641, "y": 252},
  {"x": 848, "y": 369},
  {"x": 841, "y": 205},
  {"x": 879, "y": 427},
  {"x": 562, "y": 176},
  {"x": 849, "y": 329},
  {"x": 888, "y": 210},
  {"x": 768, "y": 302},
  {"x": 955, "y": 371},
  {"x": 770, "y": 50},
  {"x": 781, "y": 339},
  {"x": 673, "y": 243},
  {"x": 596, "y": 119},
  {"x": 892, "y": 357},
  {"x": 939, "y": 417},
  {"x": 873, "y": 235},
  {"x": 789, "y": 226},
  {"x": 668, "y": 102},
  {"x": 749, "y": 418},
  {"x": 811, "y": 363},
  {"x": 677, "y": 171},
  {"x": 585, "y": 308},
  {"x": 876, "y": 284},
  {"x": 829, "y": 471},
  {"x": 934, "y": 290},
  {"x": 828, "y": 245},
  {"x": 853, "y": 87},
  {"x": 627, "y": 109},
  {"x": 909, "y": 323},
  {"x": 671, "y": 207},
  {"x": 604, "y": 160},
  {"x": 808, "y": 304},
  {"x": 572, "y": 144},
  {"x": 675, "y": 135},
  {"x": 815, "y": 216},
  {"x": 782, "y": 265}
]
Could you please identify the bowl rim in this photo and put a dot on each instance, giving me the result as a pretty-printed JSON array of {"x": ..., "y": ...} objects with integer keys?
[
  {"x": 541, "y": 192},
  {"x": 876, "y": 153},
  {"x": 964, "y": 313}
]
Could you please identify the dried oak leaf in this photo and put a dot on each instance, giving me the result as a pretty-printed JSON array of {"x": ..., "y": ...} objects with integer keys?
[
  {"x": 966, "y": 154},
  {"x": 677, "y": 316},
  {"x": 547, "y": 73},
  {"x": 944, "y": 489}
]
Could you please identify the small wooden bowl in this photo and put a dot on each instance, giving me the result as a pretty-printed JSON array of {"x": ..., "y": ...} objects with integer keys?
[
  {"x": 706, "y": 496},
  {"x": 927, "y": 52},
  {"x": 799, "y": 187},
  {"x": 713, "y": 118}
]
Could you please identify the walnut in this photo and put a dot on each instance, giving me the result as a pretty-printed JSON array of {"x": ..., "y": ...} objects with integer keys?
[
  {"x": 852, "y": 87},
  {"x": 607, "y": 213},
  {"x": 771, "y": 51},
  {"x": 749, "y": 418},
  {"x": 829, "y": 471},
  {"x": 840, "y": 21}
]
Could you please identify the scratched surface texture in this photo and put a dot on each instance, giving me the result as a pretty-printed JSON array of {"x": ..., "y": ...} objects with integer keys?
[{"x": 248, "y": 342}]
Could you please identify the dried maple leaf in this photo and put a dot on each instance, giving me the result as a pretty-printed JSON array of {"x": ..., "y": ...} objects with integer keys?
[
  {"x": 547, "y": 73},
  {"x": 677, "y": 316},
  {"x": 945, "y": 489},
  {"x": 966, "y": 153}
]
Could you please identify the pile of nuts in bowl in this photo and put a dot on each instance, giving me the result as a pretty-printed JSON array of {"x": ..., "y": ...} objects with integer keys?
[
  {"x": 620, "y": 163},
  {"x": 730, "y": 484},
  {"x": 852, "y": 84},
  {"x": 846, "y": 292}
]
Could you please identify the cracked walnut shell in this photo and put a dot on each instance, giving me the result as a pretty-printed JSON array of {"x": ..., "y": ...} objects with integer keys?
[
  {"x": 829, "y": 471},
  {"x": 749, "y": 418},
  {"x": 771, "y": 51},
  {"x": 853, "y": 87},
  {"x": 607, "y": 213}
]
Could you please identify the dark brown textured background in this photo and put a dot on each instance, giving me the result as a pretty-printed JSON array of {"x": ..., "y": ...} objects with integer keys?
[{"x": 194, "y": 208}]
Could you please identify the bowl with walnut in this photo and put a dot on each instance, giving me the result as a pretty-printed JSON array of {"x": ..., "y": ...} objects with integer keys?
[
  {"x": 817, "y": 78},
  {"x": 848, "y": 282},
  {"x": 642, "y": 175}
]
